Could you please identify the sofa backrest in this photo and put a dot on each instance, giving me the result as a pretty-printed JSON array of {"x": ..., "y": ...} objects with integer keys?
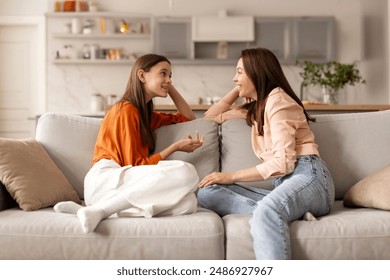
[
  {"x": 353, "y": 145},
  {"x": 237, "y": 152},
  {"x": 70, "y": 140},
  {"x": 206, "y": 158}
]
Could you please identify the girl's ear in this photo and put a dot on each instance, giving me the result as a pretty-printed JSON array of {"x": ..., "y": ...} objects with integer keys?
[{"x": 141, "y": 75}]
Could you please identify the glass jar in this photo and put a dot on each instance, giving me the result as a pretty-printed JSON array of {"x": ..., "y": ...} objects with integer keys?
[
  {"x": 69, "y": 6},
  {"x": 86, "y": 51}
]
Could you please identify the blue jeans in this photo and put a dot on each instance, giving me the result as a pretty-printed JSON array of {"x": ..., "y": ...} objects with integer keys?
[{"x": 309, "y": 188}]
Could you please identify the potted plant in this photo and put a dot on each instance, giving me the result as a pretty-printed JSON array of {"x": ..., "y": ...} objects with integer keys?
[{"x": 331, "y": 76}]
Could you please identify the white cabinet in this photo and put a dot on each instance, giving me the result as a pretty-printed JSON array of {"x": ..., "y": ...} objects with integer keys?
[
  {"x": 97, "y": 38},
  {"x": 223, "y": 28}
]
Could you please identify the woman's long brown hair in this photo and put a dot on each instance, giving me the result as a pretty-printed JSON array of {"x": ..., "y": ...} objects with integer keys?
[
  {"x": 266, "y": 74},
  {"x": 134, "y": 93}
]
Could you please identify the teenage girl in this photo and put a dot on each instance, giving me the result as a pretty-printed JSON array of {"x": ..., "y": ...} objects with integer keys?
[{"x": 127, "y": 178}]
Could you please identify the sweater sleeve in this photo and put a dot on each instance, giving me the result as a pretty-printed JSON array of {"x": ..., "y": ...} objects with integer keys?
[
  {"x": 221, "y": 112},
  {"x": 161, "y": 119}
]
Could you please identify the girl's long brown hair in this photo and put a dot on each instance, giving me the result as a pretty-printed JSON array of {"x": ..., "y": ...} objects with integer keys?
[
  {"x": 266, "y": 73},
  {"x": 134, "y": 93}
]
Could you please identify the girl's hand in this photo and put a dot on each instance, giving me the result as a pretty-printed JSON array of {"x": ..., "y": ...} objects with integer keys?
[
  {"x": 189, "y": 144},
  {"x": 216, "y": 178},
  {"x": 171, "y": 89},
  {"x": 180, "y": 103}
]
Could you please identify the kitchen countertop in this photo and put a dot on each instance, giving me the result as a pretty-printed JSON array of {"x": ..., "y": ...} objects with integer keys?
[
  {"x": 316, "y": 108},
  {"x": 309, "y": 107}
]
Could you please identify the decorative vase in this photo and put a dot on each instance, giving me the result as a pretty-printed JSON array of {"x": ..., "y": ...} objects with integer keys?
[{"x": 330, "y": 95}]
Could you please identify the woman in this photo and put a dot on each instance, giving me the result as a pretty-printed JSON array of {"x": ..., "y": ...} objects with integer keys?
[
  {"x": 283, "y": 141},
  {"x": 126, "y": 177}
]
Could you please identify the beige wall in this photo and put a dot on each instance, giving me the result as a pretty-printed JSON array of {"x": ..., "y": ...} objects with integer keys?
[{"x": 362, "y": 28}]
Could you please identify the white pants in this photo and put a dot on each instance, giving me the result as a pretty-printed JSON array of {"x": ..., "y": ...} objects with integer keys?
[{"x": 154, "y": 190}]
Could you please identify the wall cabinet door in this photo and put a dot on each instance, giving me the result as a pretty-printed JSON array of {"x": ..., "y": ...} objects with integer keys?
[
  {"x": 173, "y": 37},
  {"x": 296, "y": 39},
  {"x": 314, "y": 39},
  {"x": 275, "y": 34},
  {"x": 291, "y": 39},
  {"x": 223, "y": 28}
]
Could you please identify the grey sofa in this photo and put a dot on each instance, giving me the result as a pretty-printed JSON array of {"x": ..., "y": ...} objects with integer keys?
[{"x": 353, "y": 145}]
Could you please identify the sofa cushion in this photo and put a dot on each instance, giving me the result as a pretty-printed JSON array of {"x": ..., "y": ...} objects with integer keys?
[
  {"x": 237, "y": 152},
  {"x": 47, "y": 235},
  {"x": 69, "y": 140},
  {"x": 372, "y": 191},
  {"x": 206, "y": 158},
  {"x": 31, "y": 177},
  {"x": 346, "y": 233},
  {"x": 6, "y": 200},
  {"x": 353, "y": 145}
]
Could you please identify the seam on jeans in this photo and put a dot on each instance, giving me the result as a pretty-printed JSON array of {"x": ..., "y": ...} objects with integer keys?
[
  {"x": 219, "y": 136},
  {"x": 283, "y": 205}
]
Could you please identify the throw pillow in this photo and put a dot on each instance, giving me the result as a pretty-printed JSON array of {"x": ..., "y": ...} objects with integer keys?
[
  {"x": 6, "y": 200},
  {"x": 30, "y": 175},
  {"x": 372, "y": 191}
]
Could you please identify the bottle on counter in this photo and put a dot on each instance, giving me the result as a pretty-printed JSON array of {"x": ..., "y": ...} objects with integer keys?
[
  {"x": 57, "y": 6},
  {"x": 94, "y": 49}
]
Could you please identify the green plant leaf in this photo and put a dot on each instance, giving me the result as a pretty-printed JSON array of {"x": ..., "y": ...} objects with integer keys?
[{"x": 332, "y": 74}]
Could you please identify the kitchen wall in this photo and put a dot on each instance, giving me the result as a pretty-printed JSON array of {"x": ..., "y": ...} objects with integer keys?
[{"x": 362, "y": 37}]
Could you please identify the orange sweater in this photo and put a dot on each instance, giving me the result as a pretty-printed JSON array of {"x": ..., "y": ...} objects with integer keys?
[{"x": 119, "y": 136}]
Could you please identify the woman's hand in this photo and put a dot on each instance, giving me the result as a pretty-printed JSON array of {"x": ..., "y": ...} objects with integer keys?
[
  {"x": 216, "y": 178},
  {"x": 189, "y": 144}
]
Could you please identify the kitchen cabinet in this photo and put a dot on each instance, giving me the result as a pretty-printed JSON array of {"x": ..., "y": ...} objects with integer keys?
[
  {"x": 313, "y": 39},
  {"x": 187, "y": 40},
  {"x": 96, "y": 37},
  {"x": 223, "y": 29},
  {"x": 276, "y": 35},
  {"x": 198, "y": 40},
  {"x": 175, "y": 38},
  {"x": 294, "y": 39}
]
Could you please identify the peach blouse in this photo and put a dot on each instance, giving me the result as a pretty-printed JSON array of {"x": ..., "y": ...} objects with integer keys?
[{"x": 287, "y": 134}]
